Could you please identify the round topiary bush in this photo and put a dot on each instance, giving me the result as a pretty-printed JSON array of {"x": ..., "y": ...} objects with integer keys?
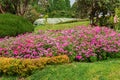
[{"x": 12, "y": 25}]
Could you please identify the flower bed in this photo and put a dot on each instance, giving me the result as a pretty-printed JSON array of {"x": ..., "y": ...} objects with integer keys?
[{"x": 80, "y": 43}]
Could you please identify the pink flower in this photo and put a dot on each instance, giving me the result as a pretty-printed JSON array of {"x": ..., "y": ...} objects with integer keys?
[
  {"x": 15, "y": 52},
  {"x": 27, "y": 56},
  {"x": 50, "y": 55},
  {"x": 97, "y": 29},
  {"x": 119, "y": 34},
  {"x": 78, "y": 57},
  {"x": 113, "y": 34}
]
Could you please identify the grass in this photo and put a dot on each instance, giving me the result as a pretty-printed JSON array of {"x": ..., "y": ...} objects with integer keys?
[
  {"x": 61, "y": 26},
  {"x": 102, "y": 70}
]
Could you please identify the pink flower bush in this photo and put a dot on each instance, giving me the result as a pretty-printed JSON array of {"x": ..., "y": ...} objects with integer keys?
[{"x": 79, "y": 42}]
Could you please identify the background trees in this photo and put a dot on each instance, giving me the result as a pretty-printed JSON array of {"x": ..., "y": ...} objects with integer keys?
[
  {"x": 18, "y": 7},
  {"x": 59, "y": 8},
  {"x": 97, "y": 10}
]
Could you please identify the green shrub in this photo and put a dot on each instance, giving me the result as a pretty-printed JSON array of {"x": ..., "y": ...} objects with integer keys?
[
  {"x": 115, "y": 26},
  {"x": 12, "y": 25},
  {"x": 111, "y": 22}
]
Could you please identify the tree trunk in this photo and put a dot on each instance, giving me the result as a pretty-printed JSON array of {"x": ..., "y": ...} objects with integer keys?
[
  {"x": 21, "y": 7},
  {"x": 1, "y": 10}
]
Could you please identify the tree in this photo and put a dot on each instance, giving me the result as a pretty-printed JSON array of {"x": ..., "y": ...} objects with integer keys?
[
  {"x": 74, "y": 10},
  {"x": 44, "y": 5},
  {"x": 96, "y": 8},
  {"x": 5, "y": 6},
  {"x": 18, "y": 7},
  {"x": 82, "y": 8},
  {"x": 67, "y": 3},
  {"x": 58, "y": 8},
  {"x": 59, "y": 4}
]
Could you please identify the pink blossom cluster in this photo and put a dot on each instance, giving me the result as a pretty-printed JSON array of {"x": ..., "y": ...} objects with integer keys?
[{"x": 82, "y": 42}]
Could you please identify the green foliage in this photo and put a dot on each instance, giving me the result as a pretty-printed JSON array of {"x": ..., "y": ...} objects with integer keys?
[
  {"x": 67, "y": 4},
  {"x": 104, "y": 70},
  {"x": 59, "y": 8},
  {"x": 31, "y": 15},
  {"x": 111, "y": 22},
  {"x": 76, "y": 71},
  {"x": 74, "y": 10},
  {"x": 59, "y": 4},
  {"x": 45, "y": 17},
  {"x": 82, "y": 8},
  {"x": 103, "y": 21},
  {"x": 117, "y": 25},
  {"x": 73, "y": 53},
  {"x": 54, "y": 8},
  {"x": 117, "y": 11},
  {"x": 93, "y": 58},
  {"x": 94, "y": 8},
  {"x": 11, "y": 25},
  {"x": 117, "y": 55},
  {"x": 60, "y": 14}
]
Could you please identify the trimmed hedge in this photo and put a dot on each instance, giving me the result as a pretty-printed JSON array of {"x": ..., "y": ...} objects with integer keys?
[
  {"x": 12, "y": 25},
  {"x": 25, "y": 67}
]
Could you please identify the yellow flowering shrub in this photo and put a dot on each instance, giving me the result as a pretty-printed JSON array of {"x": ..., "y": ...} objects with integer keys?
[
  {"x": 59, "y": 59},
  {"x": 24, "y": 67}
]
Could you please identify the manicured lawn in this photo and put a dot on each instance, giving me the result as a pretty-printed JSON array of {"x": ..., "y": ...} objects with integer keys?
[
  {"x": 61, "y": 26},
  {"x": 102, "y": 70}
]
